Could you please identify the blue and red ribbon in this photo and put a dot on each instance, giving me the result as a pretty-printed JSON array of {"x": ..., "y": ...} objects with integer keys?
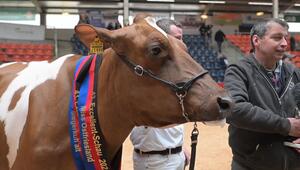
[{"x": 87, "y": 140}]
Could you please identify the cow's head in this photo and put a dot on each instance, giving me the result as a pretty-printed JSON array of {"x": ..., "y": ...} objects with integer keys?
[{"x": 166, "y": 59}]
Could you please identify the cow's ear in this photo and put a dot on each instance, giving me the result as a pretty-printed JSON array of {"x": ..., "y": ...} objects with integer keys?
[{"x": 87, "y": 34}]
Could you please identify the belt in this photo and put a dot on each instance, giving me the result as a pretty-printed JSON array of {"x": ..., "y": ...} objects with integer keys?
[{"x": 162, "y": 152}]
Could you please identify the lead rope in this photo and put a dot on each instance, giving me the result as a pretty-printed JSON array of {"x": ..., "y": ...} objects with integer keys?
[{"x": 194, "y": 137}]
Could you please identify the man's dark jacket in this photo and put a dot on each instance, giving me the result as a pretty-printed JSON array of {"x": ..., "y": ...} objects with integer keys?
[
  {"x": 219, "y": 36},
  {"x": 258, "y": 125}
]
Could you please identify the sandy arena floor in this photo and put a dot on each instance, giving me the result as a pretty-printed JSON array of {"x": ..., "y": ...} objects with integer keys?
[{"x": 213, "y": 152}]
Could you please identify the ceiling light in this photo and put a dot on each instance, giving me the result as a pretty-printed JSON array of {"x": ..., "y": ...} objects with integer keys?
[
  {"x": 65, "y": 13},
  {"x": 260, "y": 13},
  {"x": 161, "y": 0},
  {"x": 204, "y": 16},
  {"x": 212, "y": 2},
  {"x": 261, "y": 3},
  {"x": 296, "y": 4}
]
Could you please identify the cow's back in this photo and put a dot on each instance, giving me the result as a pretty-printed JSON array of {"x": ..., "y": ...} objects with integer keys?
[{"x": 33, "y": 114}]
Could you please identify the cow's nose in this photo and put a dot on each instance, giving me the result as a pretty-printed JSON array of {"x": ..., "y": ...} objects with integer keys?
[{"x": 225, "y": 104}]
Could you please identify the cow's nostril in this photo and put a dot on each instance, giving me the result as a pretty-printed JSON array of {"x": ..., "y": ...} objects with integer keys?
[{"x": 224, "y": 103}]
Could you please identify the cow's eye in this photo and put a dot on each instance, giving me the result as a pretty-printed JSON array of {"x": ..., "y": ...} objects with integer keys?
[{"x": 156, "y": 50}]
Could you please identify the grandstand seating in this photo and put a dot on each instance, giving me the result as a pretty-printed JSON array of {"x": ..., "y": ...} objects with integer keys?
[
  {"x": 26, "y": 52},
  {"x": 78, "y": 46},
  {"x": 240, "y": 41},
  {"x": 207, "y": 57}
]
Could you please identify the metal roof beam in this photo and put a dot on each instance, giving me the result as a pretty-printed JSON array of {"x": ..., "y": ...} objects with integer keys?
[
  {"x": 290, "y": 6},
  {"x": 37, "y": 6}
]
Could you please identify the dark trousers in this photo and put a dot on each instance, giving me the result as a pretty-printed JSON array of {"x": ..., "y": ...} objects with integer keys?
[
  {"x": 219, "y": 43},
  {"x": 237, "y": 166}
]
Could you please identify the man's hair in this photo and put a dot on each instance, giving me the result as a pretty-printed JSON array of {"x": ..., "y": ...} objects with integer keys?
[
  {"x": 165, "y": 24},
  {"x": 261, "y": 28}
]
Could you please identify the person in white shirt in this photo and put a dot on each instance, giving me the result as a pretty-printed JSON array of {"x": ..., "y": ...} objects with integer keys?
[{"x": 156, "y": 148}]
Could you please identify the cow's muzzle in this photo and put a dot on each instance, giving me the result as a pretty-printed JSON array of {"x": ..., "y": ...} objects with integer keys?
[{"x": 225, "y": 105}]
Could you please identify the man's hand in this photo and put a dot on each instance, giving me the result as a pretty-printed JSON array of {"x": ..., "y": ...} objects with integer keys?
[
  {"x": 297, "y": 141},
  {"x": 295, "y": 127},
  {"x": 187, "y": 155}
]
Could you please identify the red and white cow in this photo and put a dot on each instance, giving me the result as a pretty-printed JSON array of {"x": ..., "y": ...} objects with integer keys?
[{"x": 34, "y": 96}]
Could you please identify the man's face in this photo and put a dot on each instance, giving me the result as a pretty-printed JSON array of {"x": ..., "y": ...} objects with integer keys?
[
  {"x": 176, "y": 32},
  {"x": 274, "y": 43}
]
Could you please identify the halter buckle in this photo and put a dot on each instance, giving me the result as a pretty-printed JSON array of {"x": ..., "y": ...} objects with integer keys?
[{"x": 139, "y": 70}]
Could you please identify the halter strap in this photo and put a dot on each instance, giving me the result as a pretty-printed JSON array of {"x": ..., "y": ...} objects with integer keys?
[{"x": 180, "y": 89}]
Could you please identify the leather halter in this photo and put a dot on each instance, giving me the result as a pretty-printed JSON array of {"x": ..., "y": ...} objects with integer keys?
[{"x": 180, "y": 89}]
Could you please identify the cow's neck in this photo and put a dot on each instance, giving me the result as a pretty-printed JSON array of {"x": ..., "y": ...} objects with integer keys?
[
  {"x": 113, "y": 112},
  {"x": 115, "y": 131}
]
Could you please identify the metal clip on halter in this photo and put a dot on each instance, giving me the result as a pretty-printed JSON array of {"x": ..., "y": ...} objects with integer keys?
[
  {"x": 195, "y": 134},
  {"x": 181, "y": 97}
]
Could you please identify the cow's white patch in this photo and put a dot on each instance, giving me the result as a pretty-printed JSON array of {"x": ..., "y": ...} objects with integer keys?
[
  {"x": 14, "y": 120},
  {"x": 151, "y": 21},
  {"x": 221, "y": 123}
]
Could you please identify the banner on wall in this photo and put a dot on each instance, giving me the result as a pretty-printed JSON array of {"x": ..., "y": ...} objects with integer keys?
[
  {"x": 21, "y": 32},
  {"x": 253, "y": 18},
  {"x": 17, "y": 14},
  {"x": 227, "y": 19},
  {"x": 103, "y": 19},
  {"x": 292, "y": 18},
  {"x": 189, "y": 21},
  {"x": 93, "y": 17}
]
